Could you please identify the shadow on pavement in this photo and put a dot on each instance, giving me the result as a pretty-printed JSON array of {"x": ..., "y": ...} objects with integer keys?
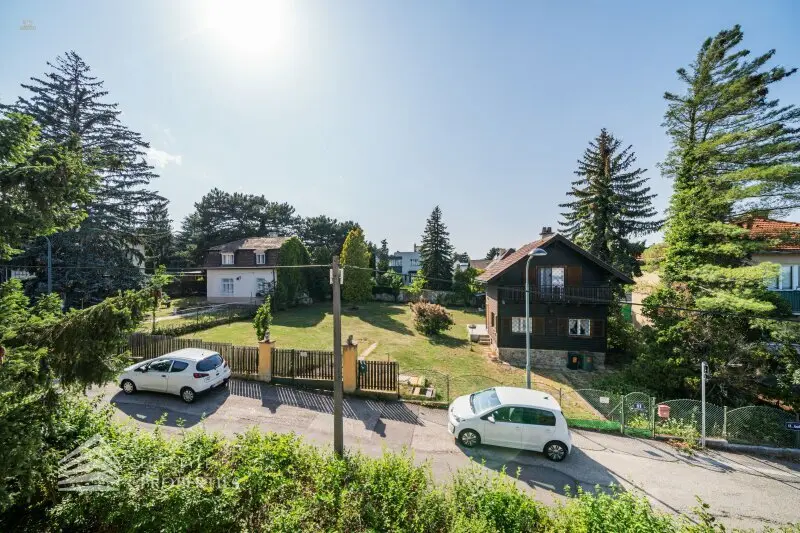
[{"x": 151, "y": 406}]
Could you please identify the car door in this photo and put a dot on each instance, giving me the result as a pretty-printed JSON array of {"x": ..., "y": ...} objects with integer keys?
[
  {"x": 538, "y": 428},
  {"x": 157, "y": 376},
  {"x": 179, "y": 376},
  {"x": 504, "y": 427}
]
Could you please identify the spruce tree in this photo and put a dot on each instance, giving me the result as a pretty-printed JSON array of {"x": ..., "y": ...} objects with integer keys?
[
  {"x": 68, "y": 102},
  {"x": 734, "y": 152},
  {"x": 383, "y": 256},
  {"x": 436, "y": 253},
  {"x": 156, "y": 235},
  {"x": 611, "y": 204}
]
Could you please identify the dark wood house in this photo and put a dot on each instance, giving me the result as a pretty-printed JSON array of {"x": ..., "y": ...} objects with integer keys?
[{"x": 570, "y": 293}]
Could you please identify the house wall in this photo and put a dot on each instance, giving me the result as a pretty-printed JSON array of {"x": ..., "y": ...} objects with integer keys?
[
  {"x": 244, "y": 288},
  {"x": 558, "y": 254}
]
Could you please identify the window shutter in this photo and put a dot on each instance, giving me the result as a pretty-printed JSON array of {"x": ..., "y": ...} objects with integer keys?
[
  {"x": 538, "y": 325},
  {"x": 563, "y": 327},
  {"x": 505, "y": 324},
  {"x": 598, "y": 328},
  {"x": 574, "y": 276}
]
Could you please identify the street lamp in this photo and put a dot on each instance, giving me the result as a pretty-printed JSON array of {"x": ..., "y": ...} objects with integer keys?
[{"x": 536, "y": 252}]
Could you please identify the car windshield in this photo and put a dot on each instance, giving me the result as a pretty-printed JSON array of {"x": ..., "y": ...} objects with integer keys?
[{"x": 483, "y": 400}]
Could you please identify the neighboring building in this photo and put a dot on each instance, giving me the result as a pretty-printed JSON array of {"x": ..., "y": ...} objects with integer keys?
[
  {"x": 407, "y": 264},
  {"x": 243, "y": 270},
  {"x": 570, "y": 293}
]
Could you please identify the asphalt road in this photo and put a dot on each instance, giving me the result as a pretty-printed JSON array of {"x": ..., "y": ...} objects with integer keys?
[{"x": 743, "y": 491}]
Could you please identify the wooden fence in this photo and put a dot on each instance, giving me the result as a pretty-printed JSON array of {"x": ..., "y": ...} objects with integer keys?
[
  {"x": 241, "y": 359},
  {"x": 302, "y": 364},
  {"x": 378, "y": 375}
]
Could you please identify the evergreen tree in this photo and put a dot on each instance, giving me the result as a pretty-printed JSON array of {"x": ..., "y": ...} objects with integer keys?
[
  {"x": 611, "y": 204},
  {"x": 156, "y": 235},
  {"x": 383, "y": 256},
  {"x": 436, "y": 253},
  {"x": 292, "y": 282},
  {"x": 734, "y": 152},
  {"x": 355, "y": 260},
  {"x": 69, "y": 103},
  {"x": 493, "y": 252}
]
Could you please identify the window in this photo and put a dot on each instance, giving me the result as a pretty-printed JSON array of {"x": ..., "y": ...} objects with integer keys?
[
  {"x": 209, "y": 363},
  {"x": 227, "y": 286},
  {"x": 539, "y": 417},
  {"x": 513, "y": 415},
  {"x": 262, "y": 287},
  {"x": 492, "y": 320},
  {"x": 160, "y": 366},
  {"x": 579, "y": 327},
  {"x": 227, "y": 259},
  {"x": 518, "y": 324},
  {"x": 483, "y": 400},
  {"x": 261, "y": 259},
  {"x": 551, "y": 277},
  {"x": 786, "y": 281},
  {"x": 179, "y": 366}
]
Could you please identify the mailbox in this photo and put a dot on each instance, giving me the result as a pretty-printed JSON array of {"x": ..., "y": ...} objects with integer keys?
[
  {"x": 663, "y": 411},
  {"x": 362, "y": 367}
]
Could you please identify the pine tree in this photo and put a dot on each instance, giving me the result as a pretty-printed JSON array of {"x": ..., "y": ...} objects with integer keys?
[
  {"x": 436, "y": 253},
  {"x": 156, "y": 235},
  {"x": 734, "y": 152},
  {"x": 70, "y": 103},
  {"x": 355, "y": 260},
  {"x": 383, "y": 256},
  {"x": 611, "y": 204},
  {"x": 493, "y": 252}
]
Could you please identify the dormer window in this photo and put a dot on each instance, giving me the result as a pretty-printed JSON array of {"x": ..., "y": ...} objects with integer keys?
[
  {"x": 227, "y": 259},
  {"x": 261, "y": 258}
]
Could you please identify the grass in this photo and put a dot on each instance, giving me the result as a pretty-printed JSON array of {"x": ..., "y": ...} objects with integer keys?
[{"x": 449, "y": 361}]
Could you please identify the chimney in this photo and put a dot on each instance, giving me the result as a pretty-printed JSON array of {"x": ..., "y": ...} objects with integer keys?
[
  {"x": 415, "y": 247},
  {"x": 547, "y": 231}
]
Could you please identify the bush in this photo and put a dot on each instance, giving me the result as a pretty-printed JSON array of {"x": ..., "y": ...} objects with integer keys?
[
  {"x": 263, "y": 320},
  {"x": 202, "y": 322},
  {"x": 431, "y": 319}
]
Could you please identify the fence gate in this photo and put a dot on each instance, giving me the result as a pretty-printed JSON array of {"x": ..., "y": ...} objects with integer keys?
[
  {"x": 290, "y": 365},
  {"x": 378, "y": 375}
]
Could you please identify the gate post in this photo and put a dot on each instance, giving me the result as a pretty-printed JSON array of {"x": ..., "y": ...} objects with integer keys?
[
  {"x": 622, "y": 415},
  {"x": 265, "y": 360},
  {"x": 725, "y": 422},
  {"x": 350, "y": 367}
]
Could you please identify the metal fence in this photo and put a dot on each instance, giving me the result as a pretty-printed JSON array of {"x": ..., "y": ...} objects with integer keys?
[{"x": 302, "y": 364}]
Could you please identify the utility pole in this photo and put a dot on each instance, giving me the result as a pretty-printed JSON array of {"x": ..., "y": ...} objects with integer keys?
[
  {"x": 703, "y": 371},
  {"x": 338, "y": 395}
]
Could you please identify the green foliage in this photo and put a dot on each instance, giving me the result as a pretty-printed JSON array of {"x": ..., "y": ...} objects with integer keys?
[
  {"x": 436, "y": 252},
  {"x": 618, "y": 511},
  {"x": 292, "y": 282},
  {"x": 418, "y": 284},
  {"x": 391, "y": 279},
  {"x": 464, "y": 284},
  {"x": 155, "y": 285},
  {"x": 44, "y": 186},
  {"x": 383, "y": 257},
  {"x": 611, "y": 204},
  {"x": 176, "y": 328},
  {"x": 355, "y": 260},
  {"x": 653, "y": 256},
  {"x": 431, "y": 319},
  {"x": 493, "y": 252},
  {"x": 263, "y": 320}
]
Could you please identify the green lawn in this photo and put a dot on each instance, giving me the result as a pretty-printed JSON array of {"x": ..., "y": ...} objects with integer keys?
[{"x": 449, "y": 359}]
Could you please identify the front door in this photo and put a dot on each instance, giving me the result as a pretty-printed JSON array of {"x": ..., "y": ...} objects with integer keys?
[
  {"x": 506, "y": 430},
  {"x": 157, "y": 376},
  {"x": 538, "y": 428}
]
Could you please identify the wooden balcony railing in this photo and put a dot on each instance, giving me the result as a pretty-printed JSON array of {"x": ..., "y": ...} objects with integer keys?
[{"x": 557, "y": 294}]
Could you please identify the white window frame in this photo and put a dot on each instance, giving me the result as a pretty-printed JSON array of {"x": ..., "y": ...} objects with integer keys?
[
  {"x": 543, "y": 276},
  {"x": 518, "y": 324},
  {"x": 793, "y": 274},
  {"x": 261, "y": 258},
  {"x": 227, "y": 259},
  {"x": 583, "y": 327},
  {"x": 224, "y": 283}
]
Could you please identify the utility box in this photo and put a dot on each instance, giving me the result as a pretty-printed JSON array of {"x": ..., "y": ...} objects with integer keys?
[
  {"x": 574, "y": 360},
  {"x": 663, "y": 411},
  {"x": 588, "y": 362}
]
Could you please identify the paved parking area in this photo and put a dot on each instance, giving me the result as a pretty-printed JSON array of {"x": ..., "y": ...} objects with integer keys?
[{"x": 743, "y": 491}]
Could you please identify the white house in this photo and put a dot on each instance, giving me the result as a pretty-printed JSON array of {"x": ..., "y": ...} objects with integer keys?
[
  {"x": 406, "y": 264},
  {"x": 242, "y": 271}
]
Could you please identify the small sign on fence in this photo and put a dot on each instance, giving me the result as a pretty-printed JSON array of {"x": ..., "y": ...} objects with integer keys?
[
  {"x": 793, "y": 426},
  {"x": 605, "y": 399},
  {"x": 639, "y": 406}
]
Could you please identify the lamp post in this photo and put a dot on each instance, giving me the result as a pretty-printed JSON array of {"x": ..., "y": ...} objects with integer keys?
[
  {"x": 536, "y": 252},
  {"x": 703, "y": 374}
]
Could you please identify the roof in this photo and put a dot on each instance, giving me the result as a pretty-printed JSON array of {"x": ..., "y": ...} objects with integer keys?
[
  {"x": 498, "y": 267},
  {"x": 766, "y": 228},
  {"x": 193, "y": 354},
  {"x": 520, "y": 396},
  {"x": 259, "y": 244},
  {"x": 480, "y": 264}
]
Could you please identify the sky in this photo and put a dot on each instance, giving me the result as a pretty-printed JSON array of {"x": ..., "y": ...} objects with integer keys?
[{"x": 379, "y": 111}]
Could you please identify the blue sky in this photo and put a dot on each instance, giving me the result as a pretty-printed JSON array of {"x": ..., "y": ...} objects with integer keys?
[{"x": 378, "y": 111}]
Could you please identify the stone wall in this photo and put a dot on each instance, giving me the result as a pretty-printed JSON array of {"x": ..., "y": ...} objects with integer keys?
[{"x": 555, "y": 359}]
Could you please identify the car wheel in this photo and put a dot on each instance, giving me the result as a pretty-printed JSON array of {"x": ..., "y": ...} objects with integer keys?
[
  {"x": 469, "y": 438},
  {"x": 128, "y": 387},
  {"x": 187, "y": 395},
  {"x": 555, "y": 451}
]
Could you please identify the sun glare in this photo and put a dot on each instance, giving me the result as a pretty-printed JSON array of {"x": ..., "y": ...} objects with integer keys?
[{"x": 249, "y": 28}]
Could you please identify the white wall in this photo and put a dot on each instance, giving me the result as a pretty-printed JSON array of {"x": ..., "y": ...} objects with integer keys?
[{"x": 244, "y": 288}]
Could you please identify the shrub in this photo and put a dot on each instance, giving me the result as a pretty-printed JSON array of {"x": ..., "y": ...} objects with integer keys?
[
  {"x": 431, "y": 319},
  {"x": 263, "y": 320},
  {"x": 202, "y": 322}
]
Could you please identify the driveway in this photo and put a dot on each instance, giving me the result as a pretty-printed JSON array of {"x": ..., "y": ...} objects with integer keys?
[{"x": 743, "y": 491}]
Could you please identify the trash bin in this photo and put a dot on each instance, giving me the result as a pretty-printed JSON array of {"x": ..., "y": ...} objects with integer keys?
[
  {"x": 574, "y": 360},
  {"x": 588, "y": 362}
]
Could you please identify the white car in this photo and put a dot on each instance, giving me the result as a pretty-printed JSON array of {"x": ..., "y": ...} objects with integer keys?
[
  {"x": 511, "y": 417},
  {"x": 184, "y": 372}
]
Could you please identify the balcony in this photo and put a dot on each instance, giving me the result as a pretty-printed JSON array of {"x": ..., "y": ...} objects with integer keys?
[
  {"x": 588, "y": 295},
  {"x": 793, "y": 297}
]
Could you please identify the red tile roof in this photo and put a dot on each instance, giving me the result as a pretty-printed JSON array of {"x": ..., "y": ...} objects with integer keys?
[
  {"x": 787, "y": 232},
  {"x": 498, "y": 267}
]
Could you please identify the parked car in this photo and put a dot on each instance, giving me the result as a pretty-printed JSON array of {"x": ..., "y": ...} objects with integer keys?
[
  {"x": 184, "y": 372},
  {"x": 511, "y": 417}
]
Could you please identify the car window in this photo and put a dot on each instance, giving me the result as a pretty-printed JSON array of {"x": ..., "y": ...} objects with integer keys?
[
  {"x": 160, "y": 366},
  {"x": 483, "y": 400},
  {"x": 508, "y": 414},
  {"x": 209, "y": 363},
  {"x": 539, "y": 417},
  {"x": 178, "y": 366}
]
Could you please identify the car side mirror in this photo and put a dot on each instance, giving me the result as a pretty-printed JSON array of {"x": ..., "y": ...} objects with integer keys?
[
  {"x": 142, "y": 369},
  {"x": 490, "y": 418}
]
